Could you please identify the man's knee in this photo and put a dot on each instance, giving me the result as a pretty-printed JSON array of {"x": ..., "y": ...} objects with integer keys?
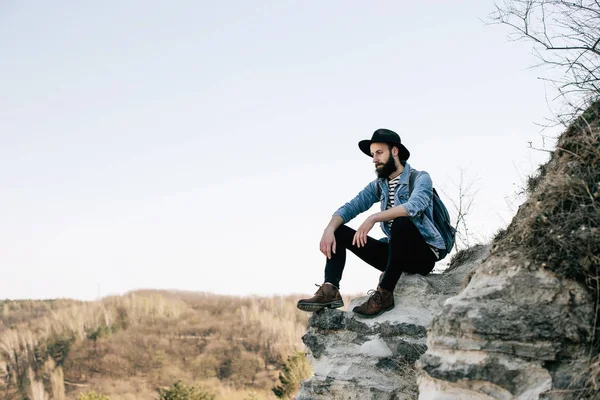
[
  {"x": 343, "y": 233},
  {"x": 401, "y": 223},
  {"x": 402, "y": 227}
]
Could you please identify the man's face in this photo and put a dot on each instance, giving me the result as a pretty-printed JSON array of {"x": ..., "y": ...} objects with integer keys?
[{"x": 383, "y": 160}]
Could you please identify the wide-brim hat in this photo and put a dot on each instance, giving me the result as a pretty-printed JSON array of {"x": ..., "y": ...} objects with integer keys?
[{"x": 384, "y": 136}]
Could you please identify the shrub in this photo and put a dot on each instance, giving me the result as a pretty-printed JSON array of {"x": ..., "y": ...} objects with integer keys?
[
  {"x": 295, "y": 370},
  {"x": 180, "y": 391},
  {"x": 91, "y": 395},
  {"x": 59, "y": 348}
]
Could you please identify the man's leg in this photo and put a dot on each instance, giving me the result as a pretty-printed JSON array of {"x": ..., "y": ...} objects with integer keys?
[
  {"x": 374, "y": 253},
  {"x": 408, "y": 252},
  {"x": 328, "y": 295}
]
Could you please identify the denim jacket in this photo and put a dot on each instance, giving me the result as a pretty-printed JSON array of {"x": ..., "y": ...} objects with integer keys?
[{"x": 419, "y": 205}]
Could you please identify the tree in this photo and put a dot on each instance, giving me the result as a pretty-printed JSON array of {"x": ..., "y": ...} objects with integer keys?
[
  {"x": 461, "y": 204},
  {"x": 566, "y": 36}
]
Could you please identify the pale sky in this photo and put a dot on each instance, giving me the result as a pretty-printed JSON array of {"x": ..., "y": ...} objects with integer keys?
[{"x": 205, "y": 145}]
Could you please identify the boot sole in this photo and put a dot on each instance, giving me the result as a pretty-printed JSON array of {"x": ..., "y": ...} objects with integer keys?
[
  {"x": 374, "y": 315},
  {"x": 320, "y": 306}
]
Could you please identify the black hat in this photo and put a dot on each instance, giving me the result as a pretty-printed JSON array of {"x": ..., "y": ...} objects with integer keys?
[{"x": 384, "y": 136}]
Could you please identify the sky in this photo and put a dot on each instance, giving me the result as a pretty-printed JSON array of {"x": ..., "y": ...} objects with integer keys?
[{"x": 204, "y": 146}]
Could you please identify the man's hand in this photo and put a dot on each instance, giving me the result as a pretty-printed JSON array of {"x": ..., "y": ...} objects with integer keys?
[
  {"x": 360, "y": 238},
  {"x": 327, "y": 244}
]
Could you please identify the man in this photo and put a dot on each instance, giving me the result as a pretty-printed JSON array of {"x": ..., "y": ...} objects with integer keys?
[{"x": 412, "y": 244}]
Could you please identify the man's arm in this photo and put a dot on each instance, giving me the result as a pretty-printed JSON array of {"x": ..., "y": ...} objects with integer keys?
[
  {"x": 418, "y": 201},
  {"x": 361, "y": 203},
  {"x": 328, "y": 244},
  {"x": 336, "y": 222},
  {"x": 388, "y": 215},
  {"x": 360, "y": 237},
  {"x": 421, "y": 195}
]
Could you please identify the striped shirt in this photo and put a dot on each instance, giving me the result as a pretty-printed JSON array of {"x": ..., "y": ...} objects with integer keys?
[{"x": 392, "y": 183}]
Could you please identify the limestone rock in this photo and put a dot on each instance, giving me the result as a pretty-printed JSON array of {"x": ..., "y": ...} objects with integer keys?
[
  {"x": 515, "y": 332},
  {"x": 354, "y": 358}
]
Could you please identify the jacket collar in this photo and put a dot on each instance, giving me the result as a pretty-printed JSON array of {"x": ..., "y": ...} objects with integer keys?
[{"x": 405, "y": 175}]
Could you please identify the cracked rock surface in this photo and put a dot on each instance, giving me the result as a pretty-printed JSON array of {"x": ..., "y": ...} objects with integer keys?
[
  {"x": 354, "y": 358},
  {"x": 515, "y": 332}
]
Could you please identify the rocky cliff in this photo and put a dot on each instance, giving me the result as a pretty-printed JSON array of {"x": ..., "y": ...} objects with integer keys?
[
  {"x": 356, "y": 358},
  {"x": 526, "y": 324},
  {"x": 513, "y": 333}
]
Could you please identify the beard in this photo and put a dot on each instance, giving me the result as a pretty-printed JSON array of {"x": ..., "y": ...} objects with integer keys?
[{"x": 386, "y": 169}]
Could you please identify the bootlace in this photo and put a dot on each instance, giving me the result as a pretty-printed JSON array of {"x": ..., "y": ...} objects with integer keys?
[
  {"x": 375, "y": 296},
  {"x": 319, "y": 290}
]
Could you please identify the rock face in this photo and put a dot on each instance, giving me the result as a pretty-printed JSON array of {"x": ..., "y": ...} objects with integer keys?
[
  {"x": 355, "y": 358},
  {"x": 515, "y": 332},
  {"x": 523, "y": 326}
]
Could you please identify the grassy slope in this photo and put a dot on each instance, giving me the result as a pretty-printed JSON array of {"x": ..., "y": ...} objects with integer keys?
[{"x": 127, "y": 347}]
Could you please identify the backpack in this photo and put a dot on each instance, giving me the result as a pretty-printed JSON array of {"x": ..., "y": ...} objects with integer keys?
[{"x": 441, "y": 218}]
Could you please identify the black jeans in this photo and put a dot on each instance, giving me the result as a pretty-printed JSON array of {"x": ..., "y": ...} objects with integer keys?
[{"x": 406, "y": 252}]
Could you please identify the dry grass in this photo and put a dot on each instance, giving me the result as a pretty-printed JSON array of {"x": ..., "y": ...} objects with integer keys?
[
  {"x": 15, "y": 312},
  {"x": 128, "y": 346}
]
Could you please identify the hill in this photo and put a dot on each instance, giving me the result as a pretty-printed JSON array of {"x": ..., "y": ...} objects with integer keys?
[{"x": 127, "y": 347}]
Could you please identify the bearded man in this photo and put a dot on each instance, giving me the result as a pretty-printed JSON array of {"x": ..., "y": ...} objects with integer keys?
[{"x": 412, "y": 243}]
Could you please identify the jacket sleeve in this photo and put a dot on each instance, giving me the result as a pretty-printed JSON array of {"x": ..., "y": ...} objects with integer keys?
[
  {"x": 359, "y": 204},
  {"x": 421, "y": 195}
]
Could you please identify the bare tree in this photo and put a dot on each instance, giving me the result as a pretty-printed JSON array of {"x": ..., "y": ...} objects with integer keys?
[
  {"x": 566, "y": 37},
  {"x": 461, "y": 204}
]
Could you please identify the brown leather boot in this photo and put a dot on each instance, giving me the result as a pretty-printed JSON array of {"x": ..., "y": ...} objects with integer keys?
[
  {"x": 380, "y": 301},
  {"x": 327, "y": 296}
]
